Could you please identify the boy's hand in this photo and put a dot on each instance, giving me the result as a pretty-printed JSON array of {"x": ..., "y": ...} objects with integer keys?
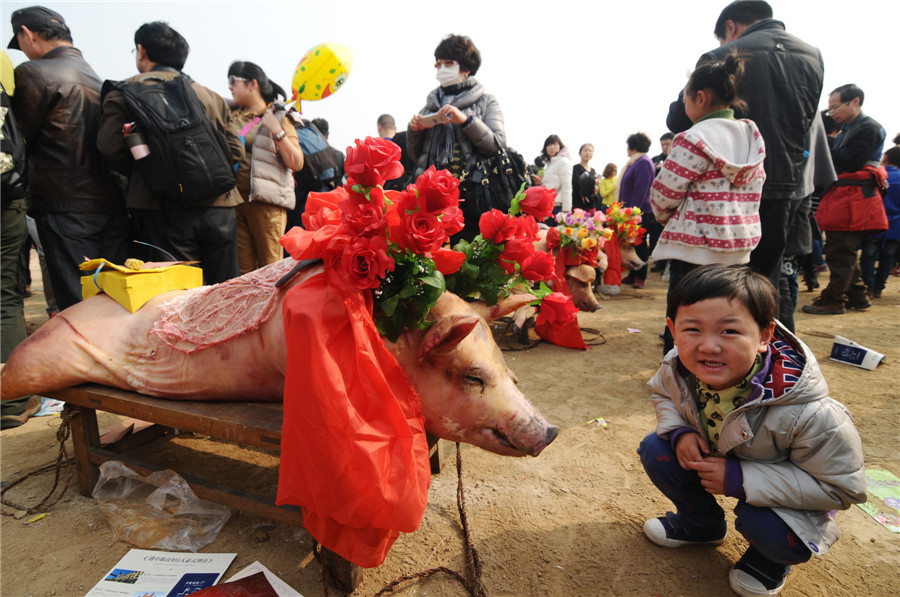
[
  {"x": 712, "y": 474},
  {"x": 690, "y": 449}
]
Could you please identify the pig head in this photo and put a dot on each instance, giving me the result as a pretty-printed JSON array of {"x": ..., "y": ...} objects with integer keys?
[
  {"x": 630, "y": 260},
  {"x": 468, "y": 394}
]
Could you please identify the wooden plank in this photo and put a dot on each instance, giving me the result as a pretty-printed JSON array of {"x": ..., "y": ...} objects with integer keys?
[
  {"x": 252, "y": 423},
  {"x": 85, "y": 437}
]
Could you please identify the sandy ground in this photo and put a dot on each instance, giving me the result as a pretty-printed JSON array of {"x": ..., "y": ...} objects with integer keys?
[{"x": 565, "y": 523}]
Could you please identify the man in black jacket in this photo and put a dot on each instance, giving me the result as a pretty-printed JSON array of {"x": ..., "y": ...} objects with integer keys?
[
  {"x": 782, "y": 86},
  {"x": 72, "y": 195}
]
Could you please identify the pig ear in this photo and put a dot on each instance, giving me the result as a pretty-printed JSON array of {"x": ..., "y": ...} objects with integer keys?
[
  {"x": 447, "y": 333},
  {"x": 504, "y": 306},
  {"x": 582, "y": 273}
]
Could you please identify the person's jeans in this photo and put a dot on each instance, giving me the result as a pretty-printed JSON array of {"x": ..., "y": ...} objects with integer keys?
[
  {"x": 761, "y": 526},
  {"x": 882, "y": 250}
]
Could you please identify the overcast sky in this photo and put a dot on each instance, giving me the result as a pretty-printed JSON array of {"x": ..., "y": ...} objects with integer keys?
[{"x": 588, "y": 71}]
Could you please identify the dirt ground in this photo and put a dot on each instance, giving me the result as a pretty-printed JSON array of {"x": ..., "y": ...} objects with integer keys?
[{"x": 565, "y": 523}]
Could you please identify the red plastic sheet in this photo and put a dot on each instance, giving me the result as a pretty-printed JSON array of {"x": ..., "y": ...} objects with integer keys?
[{"x": 354, "y": 455}]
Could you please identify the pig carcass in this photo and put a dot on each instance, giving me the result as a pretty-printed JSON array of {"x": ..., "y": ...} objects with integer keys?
[{"x": 467, "y": 392}]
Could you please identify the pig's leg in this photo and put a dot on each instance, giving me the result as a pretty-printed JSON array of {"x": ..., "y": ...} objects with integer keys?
[{"x": 82, "y": 343}]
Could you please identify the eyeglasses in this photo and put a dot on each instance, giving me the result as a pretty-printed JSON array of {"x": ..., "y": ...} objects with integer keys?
[
  {"x": 233, "y": 78},
  {"x": 445, "y": 63},
  {"x": 831, "y": 110}
]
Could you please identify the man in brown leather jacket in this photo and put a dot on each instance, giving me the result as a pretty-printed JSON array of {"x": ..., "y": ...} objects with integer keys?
[
  {"x": 71, "y": 193},
  {"x": 206, "y": 233}
]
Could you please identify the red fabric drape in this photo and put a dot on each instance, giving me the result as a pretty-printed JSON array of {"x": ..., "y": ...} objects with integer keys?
[
  {"x": 613, "y": 250},
  {"x": 353, "y": 451},
  {"x": 557, "y": 322}
]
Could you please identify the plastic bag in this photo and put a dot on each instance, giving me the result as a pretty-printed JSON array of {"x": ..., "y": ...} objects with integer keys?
[{"x": 156, "y": 512}]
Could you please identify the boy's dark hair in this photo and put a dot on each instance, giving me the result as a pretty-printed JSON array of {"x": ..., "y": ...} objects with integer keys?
[
  {"x": 386, "y": 121},
  {"x": 548, "y": 141},
  {"x": 251, "y": 71},
  {"x": 610, "y": 168},
  {"x": 897, "y": 140},
  {"x": 322, "y": 125},
  {"x": 733, "y": 282},
  {"x": 461, "y": 49},
  {"x": 745, "y": 12},
  {"x": 639, "y": 142},
  {"x": 722, "y": 78},
  {"x": 667, "y": 137},
  {"x": 163, "y": 44},
  {"x": 850, "y": 91},
  {"x": 892, "y": 156}
]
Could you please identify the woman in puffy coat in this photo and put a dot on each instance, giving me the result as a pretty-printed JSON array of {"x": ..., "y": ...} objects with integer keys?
[
  {"x": 459, "y": 120},
  {"x": 265, "y": 177},
  {"x": 557, "y": 173}
]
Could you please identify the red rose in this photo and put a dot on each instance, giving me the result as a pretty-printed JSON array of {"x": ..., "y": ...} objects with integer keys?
[
  {"x": 496, "y": 226},
  {"x": 448, "y": 262},
  {"x": 420, "y": 232},
  {"x": 517, "y": 250},
  {"x": 538, "y": 202},
  {"x": 526, "y": 229},
  {"x": 538, "y": 266},
  {"x": 438, "y": 190},
  {"x": 364, "y": 219},
  {"x": 364, "y": 262},
  {"x": 372, "y": 162},
  {"x": 553, "y": 238},
  {"x": 322, "y": 208}
]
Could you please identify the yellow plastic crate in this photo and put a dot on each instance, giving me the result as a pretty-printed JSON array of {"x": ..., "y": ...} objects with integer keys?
[{"x": 132, "y": 288}]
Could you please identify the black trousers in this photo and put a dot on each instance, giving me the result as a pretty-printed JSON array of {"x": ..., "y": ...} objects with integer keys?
[
  {"x": 204, "y": 234},
  {"x": 68, "y": 239},
  {"x": 774, "y": 220}
]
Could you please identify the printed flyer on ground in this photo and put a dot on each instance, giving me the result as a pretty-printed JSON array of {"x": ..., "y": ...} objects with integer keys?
[{"x": 145, "y": 573}]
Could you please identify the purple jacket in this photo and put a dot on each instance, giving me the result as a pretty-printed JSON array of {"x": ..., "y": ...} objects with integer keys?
[{"x": 634, "y": 190}]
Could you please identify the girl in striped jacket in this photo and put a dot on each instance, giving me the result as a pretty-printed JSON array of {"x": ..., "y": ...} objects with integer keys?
[{"x": 708, "y": 189}]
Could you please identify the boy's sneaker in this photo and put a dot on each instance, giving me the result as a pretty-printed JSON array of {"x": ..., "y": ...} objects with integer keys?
[
  {"x": 756, "y": 575},
  {"x": 670, "y": 531}
]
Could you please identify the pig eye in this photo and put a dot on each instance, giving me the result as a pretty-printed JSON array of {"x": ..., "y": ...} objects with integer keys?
[{"x": 474, "y": 380}]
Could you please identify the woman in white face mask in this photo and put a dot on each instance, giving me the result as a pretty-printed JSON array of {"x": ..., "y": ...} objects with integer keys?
[{"x": 459, "y": 119}]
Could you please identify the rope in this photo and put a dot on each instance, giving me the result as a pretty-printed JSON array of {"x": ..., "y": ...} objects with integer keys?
[
  {"x": 62, "y": 434},
  {"x": 473, "y": 583}
]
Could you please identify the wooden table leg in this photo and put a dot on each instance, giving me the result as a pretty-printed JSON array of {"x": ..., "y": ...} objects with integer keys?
[
  {"x": 434, "y": 453},
  {"x": 346, "y": 574},
  {"x": 85, "y": 436}
]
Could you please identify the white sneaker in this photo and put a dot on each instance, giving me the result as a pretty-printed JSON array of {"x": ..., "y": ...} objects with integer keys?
[{"x": 746, "y": 585}]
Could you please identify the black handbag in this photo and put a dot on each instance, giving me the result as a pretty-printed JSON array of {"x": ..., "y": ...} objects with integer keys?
[{"x": 491, "y": 182}]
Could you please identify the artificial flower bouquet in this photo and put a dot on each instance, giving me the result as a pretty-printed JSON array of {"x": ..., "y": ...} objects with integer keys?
[
  {"x": 579, "y": 236},
  {"x": 388, "y": 241},
  {"x": 626, "y": 223},
  {"x": 502, "y": 257}
]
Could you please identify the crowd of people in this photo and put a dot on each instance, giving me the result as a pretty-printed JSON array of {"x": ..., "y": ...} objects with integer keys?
[{"x": 750, "y": 174}]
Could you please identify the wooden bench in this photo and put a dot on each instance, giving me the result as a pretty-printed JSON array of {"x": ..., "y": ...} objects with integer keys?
[{"x": 256, "y": 424}]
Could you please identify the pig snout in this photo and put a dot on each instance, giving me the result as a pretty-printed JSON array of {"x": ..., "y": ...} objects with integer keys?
[
  {"x": 521, "y": 436},
  {"x": 630, "y": 260},
  {"x": 580, "y": 280}
]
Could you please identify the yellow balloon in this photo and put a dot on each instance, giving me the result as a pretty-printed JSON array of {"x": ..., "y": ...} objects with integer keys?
[
  {"x": 321, "y": 71},
  {"x": 6, "y": 73}
]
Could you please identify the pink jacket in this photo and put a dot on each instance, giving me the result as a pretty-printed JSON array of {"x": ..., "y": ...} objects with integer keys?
[{"x": 707, "y": 193}]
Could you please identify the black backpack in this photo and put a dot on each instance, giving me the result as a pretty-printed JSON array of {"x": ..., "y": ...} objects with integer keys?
[
  {"x": 320, "y": 171},
  {"x": 189, "y": 162}
]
